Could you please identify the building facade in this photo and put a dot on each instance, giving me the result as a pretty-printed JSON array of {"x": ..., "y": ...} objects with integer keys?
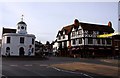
[
  {"x": 18, "y": 42},
  {"x": 116, "y": 45},
  {"x": 81, "y": 39}
]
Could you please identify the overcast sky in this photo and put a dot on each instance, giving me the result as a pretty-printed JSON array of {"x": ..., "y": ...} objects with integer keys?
[{"x": 45, "y": 19}]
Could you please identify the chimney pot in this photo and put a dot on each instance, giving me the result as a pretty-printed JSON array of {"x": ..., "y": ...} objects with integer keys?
[{"x": 109, "y": 24}]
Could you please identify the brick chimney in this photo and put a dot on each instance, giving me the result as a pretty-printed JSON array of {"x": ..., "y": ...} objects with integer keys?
[
  {"x": 76, "y": 22},
  {"x": 110, "y": 24}
]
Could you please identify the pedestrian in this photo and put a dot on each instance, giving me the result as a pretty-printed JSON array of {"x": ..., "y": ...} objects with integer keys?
[{"x": 29, "y": 51}]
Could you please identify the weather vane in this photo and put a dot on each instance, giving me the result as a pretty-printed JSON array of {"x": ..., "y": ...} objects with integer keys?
[{"x": 22, "y": 17}]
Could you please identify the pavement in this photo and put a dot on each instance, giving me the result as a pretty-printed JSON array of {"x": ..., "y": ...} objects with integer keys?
[{"x": 36, "y": 67}]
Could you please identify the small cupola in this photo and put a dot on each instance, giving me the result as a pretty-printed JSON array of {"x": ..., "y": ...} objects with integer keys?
[{"x": 21, "y": 27}]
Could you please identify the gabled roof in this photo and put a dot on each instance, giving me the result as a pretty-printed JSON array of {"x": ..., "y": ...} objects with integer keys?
[
  {"x": 87, "y": 26},
  {"x": 8, "y": 30},
  {"x": 67, "y": 29}
]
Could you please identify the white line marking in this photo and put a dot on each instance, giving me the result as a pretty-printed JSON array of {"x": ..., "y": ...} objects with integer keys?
[
  {"x": 56, "y": 68},
  {"x": 43, "y": 65},
  {"x": 13, "y": 65},
  {"x": 28, "y": 65},
  {"x": 87, "y": 75},
  {"x": 72, "y": 72}
]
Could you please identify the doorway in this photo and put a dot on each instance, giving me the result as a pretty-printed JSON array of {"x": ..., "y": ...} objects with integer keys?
[{"x": 21, "y": 51}]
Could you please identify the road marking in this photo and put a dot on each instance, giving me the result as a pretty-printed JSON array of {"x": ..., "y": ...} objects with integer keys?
[
  {"x": 43, "y": 65},
  {"x": 56, "y": 68},
  {"x": 13, "y": 65},
  {"x": 72, "y": 72},
  {"x": 87, "y": 75},
  {"x": 28, "y": 65}
]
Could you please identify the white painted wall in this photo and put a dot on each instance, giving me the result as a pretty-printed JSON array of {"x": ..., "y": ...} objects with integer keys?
[{"x": 15, "y": 44}]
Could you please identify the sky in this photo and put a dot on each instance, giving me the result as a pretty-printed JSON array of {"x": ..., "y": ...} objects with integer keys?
[{"x": 45, "y": 19}]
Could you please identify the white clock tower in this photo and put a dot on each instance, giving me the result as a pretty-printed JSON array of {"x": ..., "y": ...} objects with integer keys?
[{"x": 22, "y": 27}]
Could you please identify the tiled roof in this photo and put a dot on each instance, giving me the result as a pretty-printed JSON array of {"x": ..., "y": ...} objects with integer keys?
[
  {"x": 67, "y": 29},
  {"x": 8, "y": 30},
  {"x": 95, "y": 27},
  {"x": 87, "y": 26}
]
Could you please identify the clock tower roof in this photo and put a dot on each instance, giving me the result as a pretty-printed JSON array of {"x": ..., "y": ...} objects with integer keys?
[{"x": 21, "y": 22}]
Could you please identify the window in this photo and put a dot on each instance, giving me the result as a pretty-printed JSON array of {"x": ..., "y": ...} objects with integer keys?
[
  {"x": 59, "y": 37},
  {"x": 116, "y": 43},
  {"x": 74, "y": 42},
  {"x": 108, "y": 41},
  {"x": 98, "y": 41},
  {"x": 8, "y": 39},
  {"x": 32, "y": 41},
  {"x": 25, "y": 28},
  {"x": 101, "y": 33},
  {"x": 80, "y": 41},
  {"x": 90, "y": 32},
  {"x": 73, "y": 34},
  {"x": 90, "y": 41},
  {"x": 103, "y": 41},
  {"x": 79, "y": 32},
  {"x": 65, "y": 44},
  {"x": 21, "y": 39},
  {"x": 63, "y": 36},
  {"x": 60, "y": 46}
]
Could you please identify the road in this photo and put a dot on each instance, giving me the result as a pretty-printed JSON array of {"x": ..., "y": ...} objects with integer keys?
[{"x": 25, "y": 68}]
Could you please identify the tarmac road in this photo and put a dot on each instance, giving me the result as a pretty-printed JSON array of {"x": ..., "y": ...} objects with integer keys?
[{"x": 40, "y": 68}]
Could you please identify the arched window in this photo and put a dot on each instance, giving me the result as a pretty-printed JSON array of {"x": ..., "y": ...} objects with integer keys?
[{"x": 7, "y": 51}]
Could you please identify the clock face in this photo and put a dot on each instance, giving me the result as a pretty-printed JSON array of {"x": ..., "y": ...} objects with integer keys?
[{"x": 22, "y": 27}]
